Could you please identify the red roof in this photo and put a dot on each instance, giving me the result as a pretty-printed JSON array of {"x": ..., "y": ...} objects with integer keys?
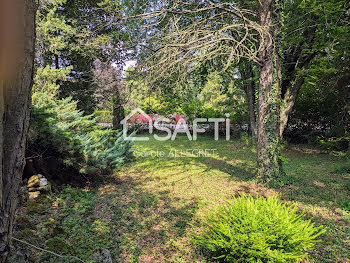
[{"x": 142, "y": 119}]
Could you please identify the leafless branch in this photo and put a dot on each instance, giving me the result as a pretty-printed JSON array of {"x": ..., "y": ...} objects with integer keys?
[{"x": 198, "y": 33}]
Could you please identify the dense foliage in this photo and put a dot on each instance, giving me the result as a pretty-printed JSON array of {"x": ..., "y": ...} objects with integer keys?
[
  {"x": 59, "y": 130},
  {"x": 258, "y": 230},
  {"x": 76, "y": 34},
  {"x": 281, "y": 66},
  {"x": 105, "y": 150},
  {"x": 313, "y": 47}
]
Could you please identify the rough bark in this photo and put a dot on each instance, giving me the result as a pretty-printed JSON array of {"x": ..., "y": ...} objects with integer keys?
[
  {"x": 289, "y": 100},
  {"x": 118, "y": 109},
  {"x": 18, "y": 56},
  {"x": 295, "y": 62},
  {"x": 269, "y": 163},
  {"x": 1, "y": 134},
  {"x": 248, "y": 78}
]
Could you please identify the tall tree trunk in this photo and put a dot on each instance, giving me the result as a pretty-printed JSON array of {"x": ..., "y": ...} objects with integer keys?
[
  {"x": 296, "y": 62},
  {"x": 252, "y": 115},
  {"x": 289, "y": 100},
  {"x": 249, "y": 83},
  {"x": 269, "y": 162},
  {"x": 17, "y": 67},
  {"x": 118, "y": 109}
]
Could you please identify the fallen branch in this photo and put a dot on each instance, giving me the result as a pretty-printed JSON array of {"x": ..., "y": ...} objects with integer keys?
[{"x": 47, "y": 251}]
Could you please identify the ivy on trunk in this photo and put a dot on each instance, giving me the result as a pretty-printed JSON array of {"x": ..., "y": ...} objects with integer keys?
[{"x": 269, "y": 101}]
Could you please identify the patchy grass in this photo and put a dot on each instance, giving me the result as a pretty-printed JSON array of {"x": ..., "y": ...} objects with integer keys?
[{"x": 149, "y": 209}]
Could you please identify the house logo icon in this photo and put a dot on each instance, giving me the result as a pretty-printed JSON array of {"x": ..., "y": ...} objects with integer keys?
[
  {"x": 145, "y": 116},
  {"x": 164, "y": 124}
]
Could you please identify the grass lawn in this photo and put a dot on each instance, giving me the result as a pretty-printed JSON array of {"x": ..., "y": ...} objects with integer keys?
[{"x": 148, "y": 210}]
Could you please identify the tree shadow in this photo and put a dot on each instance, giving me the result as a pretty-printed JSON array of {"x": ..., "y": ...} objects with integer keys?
[
  {"x": 318, "y": 184},
  {"x": 239, "y": 171},
  {"x": 145, "y": 221}
]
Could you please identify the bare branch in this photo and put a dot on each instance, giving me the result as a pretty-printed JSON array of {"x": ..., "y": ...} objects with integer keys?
[{"x": 196, "y": 32}]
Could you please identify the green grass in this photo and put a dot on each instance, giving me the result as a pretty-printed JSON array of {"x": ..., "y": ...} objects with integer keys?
[{"x": 149, "y": 209}]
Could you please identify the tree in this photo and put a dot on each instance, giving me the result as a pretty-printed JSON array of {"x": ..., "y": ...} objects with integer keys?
[
  {"x": 326, "y": 82},
  {"x": 76, "y": 33},
  {"x": 185, "y": 35},
  {"x": 269, "y": 152},
  {"x": 311, "y": 30},
  {"x": 17, "y": 66},
  {"x": 249, "y": 82},
  {"x": 110, "y": 86}
]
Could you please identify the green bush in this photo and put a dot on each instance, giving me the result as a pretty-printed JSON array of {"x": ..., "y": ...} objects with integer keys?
[
  {"x": 105, "y": 150},
  {"x": 105, "y": 116},
  {"x": 60, "y": 135},
  {"x": 54, "y": 129},
  {"x": 258, "y": 230},
  {"x": 345, "y": 204},
  {"x": 334, "y": 144}
]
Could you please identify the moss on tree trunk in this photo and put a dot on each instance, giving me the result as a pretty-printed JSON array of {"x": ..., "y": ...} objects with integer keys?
[{"x": 269, "y": 150}]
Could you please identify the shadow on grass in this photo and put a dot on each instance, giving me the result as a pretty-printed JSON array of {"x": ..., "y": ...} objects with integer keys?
[
  {"x": 238, "y": 171},
  {"x": 145, "y": 222},
  {"x": 319, "y": 185}
]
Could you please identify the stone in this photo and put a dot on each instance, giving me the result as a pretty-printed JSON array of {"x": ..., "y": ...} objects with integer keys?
[
  {"x": 34, "y": 195},
  {"x": 101, "y": 256},
  {"x": 43, "y": 181},
  {"x": 33, "y": 181},
  {"x": 37, "y": 184},
  {"x": 45, "y": 188}
]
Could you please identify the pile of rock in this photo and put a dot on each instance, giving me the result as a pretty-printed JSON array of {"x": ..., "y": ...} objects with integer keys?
[
  {"x": 38, "y": 184},
  {"x": 101, "y": 256}
]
